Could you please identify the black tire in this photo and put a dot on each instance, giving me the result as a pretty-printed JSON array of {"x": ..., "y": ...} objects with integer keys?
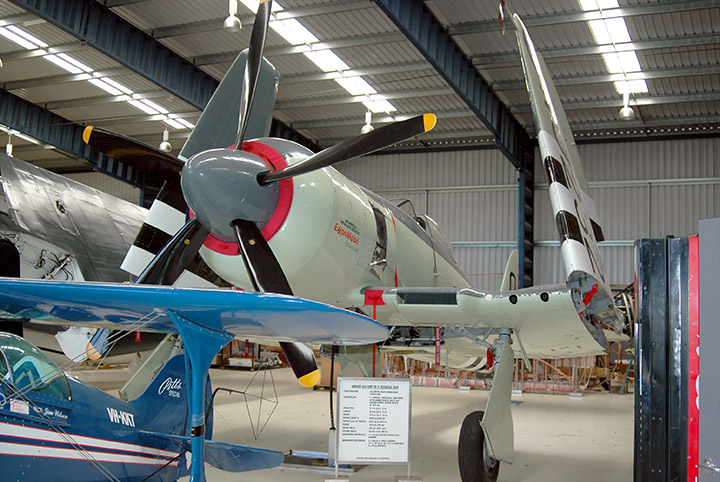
[{"x": 475, "y": 463}]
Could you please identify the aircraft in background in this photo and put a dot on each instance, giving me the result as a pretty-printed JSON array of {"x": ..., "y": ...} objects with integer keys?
[
  {"x": 53, "y": 424},
  {"x": 269, "y": 215}
]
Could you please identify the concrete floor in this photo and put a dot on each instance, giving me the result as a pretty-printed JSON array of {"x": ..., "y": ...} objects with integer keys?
[{"x": 557, "y": 438}]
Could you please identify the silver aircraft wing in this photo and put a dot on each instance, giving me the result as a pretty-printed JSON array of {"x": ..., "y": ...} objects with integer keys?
[{"x": 94, "y": 227}]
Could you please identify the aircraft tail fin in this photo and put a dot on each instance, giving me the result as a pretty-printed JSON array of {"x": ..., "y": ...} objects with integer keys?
[
  {"x": 164, "y": 403},
  {"x": 573, "y": 207},
  {"x": 512, "y": 269}
]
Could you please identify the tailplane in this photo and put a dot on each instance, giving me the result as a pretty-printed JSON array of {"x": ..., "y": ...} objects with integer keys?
[{"x": 573, "y": 207}]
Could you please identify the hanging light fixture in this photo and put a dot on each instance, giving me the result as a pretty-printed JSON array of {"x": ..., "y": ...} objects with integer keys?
[
  {"x": 626, "y": 113},
  {"x": 9, "y": 146},
  {"x": 165, "y": 145},
  {"x": 232, "y": 22},
  {"x": 367, "y": 127}
]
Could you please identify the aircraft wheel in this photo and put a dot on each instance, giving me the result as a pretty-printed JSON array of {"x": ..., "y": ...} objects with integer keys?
[{"x": 475, "y": 463}]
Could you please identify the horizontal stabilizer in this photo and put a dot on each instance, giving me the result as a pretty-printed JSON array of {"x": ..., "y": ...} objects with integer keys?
[
  {"x": 147, "y": 307},
  {"x": 224, "y": 456}
]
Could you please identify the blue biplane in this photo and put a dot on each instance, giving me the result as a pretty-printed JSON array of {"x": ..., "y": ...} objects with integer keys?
[{"x": 55, "y": 426}]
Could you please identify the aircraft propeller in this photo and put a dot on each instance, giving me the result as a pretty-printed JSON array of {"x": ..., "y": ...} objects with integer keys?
[{"x": 232, "y": 170}]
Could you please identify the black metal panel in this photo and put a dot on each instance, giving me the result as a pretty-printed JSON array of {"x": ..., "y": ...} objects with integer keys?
[
  {"x": 677, "y": 363},
  {"x": 661, "y": 354},
  {"x": 55, "y": 130}
]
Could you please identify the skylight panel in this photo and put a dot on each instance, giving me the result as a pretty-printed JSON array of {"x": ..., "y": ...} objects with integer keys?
[
  {"x": 356, "y": 85},
  {"x": 63, "y": 64},
  {"x": 631, "y": 86},
  {"x": 293, "y": 31},
  {"x": 598, "y": 4},
  {"x": 75, "y": 62},
  {"x": 327, "y": 60},
  {"x": 622, "y": 62},
  {"x": 379, "y": 105}
]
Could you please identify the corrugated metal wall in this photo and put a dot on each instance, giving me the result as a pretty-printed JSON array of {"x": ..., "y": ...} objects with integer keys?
[
  {"x": 641, "y": 189},
  {"x": 109, "y": 185}
]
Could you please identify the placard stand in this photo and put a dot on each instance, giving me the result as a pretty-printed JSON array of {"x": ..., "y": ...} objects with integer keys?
[{"x": 373, "y": 423}]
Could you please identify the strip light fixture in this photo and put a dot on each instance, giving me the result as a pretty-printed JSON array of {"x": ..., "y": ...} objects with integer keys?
[
  {"x": 613, "y": 32},
  {"x": 295, "y": 33},
  {"x": 74, "y": 66}
]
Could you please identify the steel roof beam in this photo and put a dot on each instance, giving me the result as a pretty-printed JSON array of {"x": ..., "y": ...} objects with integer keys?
[
  {"x": 363, "y": 71},
  {"x": 570, "y": 17},
  {"x": 62, "y": 133},
  {"x": 103, "y": 99},
  {"x": 299, "y": 12},
  {"x": 636, "y": 101},
  {"x": 600, "y": 78},
  {"x": 115, "y": 37},
  {"x": 635, "y": 45},
  {"x": 359, "y": 41},
  {"x": 420, "y": 26},
  {"x": 55, "y": 49},
  {"x": 355, "y": 99},
  {"x": 61, "y": 78}
]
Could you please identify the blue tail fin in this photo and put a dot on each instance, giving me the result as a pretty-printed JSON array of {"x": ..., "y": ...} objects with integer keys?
[{"x": 163, "y": 406}]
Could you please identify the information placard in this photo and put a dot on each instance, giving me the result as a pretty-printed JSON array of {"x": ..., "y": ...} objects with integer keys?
[{"x": 373, "y": 425}]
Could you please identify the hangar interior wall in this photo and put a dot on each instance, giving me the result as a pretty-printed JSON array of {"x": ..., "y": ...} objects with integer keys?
[{"x": 641, "y": 189}]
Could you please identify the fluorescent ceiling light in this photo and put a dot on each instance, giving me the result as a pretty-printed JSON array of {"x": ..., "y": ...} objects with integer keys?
[
  {"x": 61, "y": 62},
  {"x": 187, "y": 124},
  {"x": 174, "y": 123},
  {"x": 17, "y": 38},
  {"x": 30, "y": 38},
  {"x": 117, "y": 85},
  {"x": 356, "y": 85},
  {"x": 155, "y": 106},
  {"x": 107, "y": 88},
  {"x": 145, "y": 108}
]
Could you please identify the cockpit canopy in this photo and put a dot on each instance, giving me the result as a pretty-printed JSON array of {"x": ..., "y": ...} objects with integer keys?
[{"x": 24, "y": 368}]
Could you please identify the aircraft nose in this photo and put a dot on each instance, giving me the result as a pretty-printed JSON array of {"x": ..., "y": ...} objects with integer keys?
[{"x": 220, "y": 185}]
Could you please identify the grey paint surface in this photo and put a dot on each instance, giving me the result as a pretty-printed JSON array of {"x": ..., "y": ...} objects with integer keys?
[{"x": 709, "y": 340}]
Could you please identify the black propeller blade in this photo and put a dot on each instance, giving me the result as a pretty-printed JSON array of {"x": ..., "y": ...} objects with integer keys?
[
  {"x": 356, "y": 147},
  {"x": 178, "y": 253},
  {"x": 252, "y": 66},
  {"x": 267, "y": 275},
  {"x": 138, "y": 155}
]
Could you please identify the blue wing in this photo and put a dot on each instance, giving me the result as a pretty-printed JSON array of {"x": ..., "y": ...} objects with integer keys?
[{"x": 143, "y": 307}]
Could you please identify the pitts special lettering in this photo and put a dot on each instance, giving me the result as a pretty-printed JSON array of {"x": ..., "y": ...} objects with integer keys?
[
  {"x": 171, "y": 386},
  {"x": 118, "y": 416}
]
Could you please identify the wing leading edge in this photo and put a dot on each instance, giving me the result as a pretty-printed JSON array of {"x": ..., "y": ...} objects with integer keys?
[{"x": 138, "y": 307}]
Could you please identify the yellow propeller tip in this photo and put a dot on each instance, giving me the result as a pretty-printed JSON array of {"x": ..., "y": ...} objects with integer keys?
[
  {"x": 91, "y": 352},
  {"x": 311, "y": 379},
  {"x": 86, "y": 134},
  {"x": 429, "y": 120}
]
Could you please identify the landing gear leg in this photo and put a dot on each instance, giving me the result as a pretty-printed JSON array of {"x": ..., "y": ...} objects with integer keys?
[{"x": 486, "y": 438}]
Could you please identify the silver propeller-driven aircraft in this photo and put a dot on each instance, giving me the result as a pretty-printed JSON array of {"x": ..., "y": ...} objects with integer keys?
[{"x": 266, "y": 214}]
